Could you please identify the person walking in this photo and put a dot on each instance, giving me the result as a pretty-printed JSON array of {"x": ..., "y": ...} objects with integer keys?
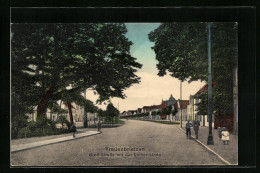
[
  {"x": 74, "y": 129},
  {"x": 188, "y": 126},
  {"x": 196, "y": 128},
  {"x": 99, "y": 126},
  {"x": 225, "y": 136}
]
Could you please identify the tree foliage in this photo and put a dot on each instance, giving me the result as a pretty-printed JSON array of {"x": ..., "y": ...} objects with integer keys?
[
  {"x": 154, "y": 113},
  {"x": 63, "y": 120},
  {"x": 181, "y": 49},
  {"x": 101, "y": 113},
  {"x": 49, "y": 58},
  {"x": 111, "y": 112}
]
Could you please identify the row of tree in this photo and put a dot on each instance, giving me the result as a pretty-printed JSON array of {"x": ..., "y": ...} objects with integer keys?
[
  {"x": 163, "y": 111},
  {"x": 52, "y": 62}
]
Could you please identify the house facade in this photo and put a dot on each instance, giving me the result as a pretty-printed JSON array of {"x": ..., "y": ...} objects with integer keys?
[
  {"x": 192, "y": 112},
  {"x": 181, "y": 106},
  {"x": 169, "y": 103},
  {"x": 154, "y": 108},
  {"x": 77, "y": 113}
]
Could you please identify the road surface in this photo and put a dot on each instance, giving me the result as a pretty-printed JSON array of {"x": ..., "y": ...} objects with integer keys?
[{"x": 143, "y": 144}]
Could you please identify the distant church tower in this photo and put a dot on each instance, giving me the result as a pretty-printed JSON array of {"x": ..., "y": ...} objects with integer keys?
[{"x": 169, "y": 102}]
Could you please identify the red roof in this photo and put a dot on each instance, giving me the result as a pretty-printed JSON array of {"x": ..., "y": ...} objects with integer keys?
[
  {"x": 184, "y": 103},
  {"x": 204, "y": 88},
  {"x": 149, "y": 108},
  {"x": 175, "y": 105}
]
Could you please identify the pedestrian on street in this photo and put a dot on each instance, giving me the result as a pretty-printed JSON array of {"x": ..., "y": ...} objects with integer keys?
[
  {"x": 225, "y": 136},
  {"x": 196, "y": 128},
  {"x": 99, "y": 126},
  {"x": 220, "y": 129},
  {"x": 188, "y": 126},
  {"x": 74, "y": 129}
]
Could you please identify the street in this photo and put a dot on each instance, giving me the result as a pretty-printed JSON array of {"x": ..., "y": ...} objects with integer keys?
[{"x": 154, "y": 144}]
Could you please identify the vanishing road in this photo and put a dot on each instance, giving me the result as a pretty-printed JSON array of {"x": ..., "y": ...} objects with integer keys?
[{"x": 155, "y": 144}]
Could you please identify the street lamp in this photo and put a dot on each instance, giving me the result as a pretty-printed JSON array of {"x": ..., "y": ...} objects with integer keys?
[
  {"x": 181, "y": 101},
  {"x": 85, "y": 123},
  {"x": 210, "y": 105}
]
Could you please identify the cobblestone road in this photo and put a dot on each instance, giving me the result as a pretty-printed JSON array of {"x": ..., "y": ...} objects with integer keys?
[{"x": 161, "y": 145}]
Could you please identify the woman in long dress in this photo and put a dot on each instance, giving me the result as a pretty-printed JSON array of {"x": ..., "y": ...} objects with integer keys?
[{"x": 225, "y": 136}]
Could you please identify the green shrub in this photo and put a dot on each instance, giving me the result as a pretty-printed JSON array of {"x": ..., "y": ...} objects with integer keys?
[
  {"x": 24, "y": 132},
  {"x": 62, "y": 120},
  {"x": 42, "y": 127}
]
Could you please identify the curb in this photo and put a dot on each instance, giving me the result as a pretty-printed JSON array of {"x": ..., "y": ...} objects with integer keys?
[
  {"x": 209, "y": 149},
  {"x": 17, "y": 148}
]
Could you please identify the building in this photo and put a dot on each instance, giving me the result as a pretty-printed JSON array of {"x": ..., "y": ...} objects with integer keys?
[
  {"x": 77, "y": 113},
  {"x": 153, "y": 108},
  {"x": 169, "y": 102},
  {"x": 181, "y": 106},
  {"x": 192, "y": 112}
]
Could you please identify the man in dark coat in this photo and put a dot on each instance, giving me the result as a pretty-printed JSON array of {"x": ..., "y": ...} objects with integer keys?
[
  {"x": 196, "y": 128},
  {"x": 99, "y": 126},
  {"x": 188, "y": 126},
  {"x": 74, "y": 129}
]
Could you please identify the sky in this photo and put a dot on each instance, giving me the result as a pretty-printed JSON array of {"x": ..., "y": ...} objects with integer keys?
[{"x": 152, "y": 88}]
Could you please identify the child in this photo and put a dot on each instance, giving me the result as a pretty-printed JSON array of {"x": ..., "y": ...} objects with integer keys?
[{"x": 225, "y": 136}]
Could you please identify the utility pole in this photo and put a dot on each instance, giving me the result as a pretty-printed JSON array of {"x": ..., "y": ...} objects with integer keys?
[
  {"x": 118, "y": 113},
  {"x": 210, "y": 105},
  {"x": 181, "y": 101},
  {"x": 195, "y": 118},
  {"x": 85, "y": 123}
]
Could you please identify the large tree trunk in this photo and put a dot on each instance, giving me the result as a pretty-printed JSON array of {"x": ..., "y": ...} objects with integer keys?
[
  {"x": 70, "y": 113},
  {"x": 42, "y": 106}
]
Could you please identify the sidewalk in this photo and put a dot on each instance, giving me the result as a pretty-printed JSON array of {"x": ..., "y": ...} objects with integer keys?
[
  {"x": 28, "y": 143},
  {"x": 228, "y": 152}
]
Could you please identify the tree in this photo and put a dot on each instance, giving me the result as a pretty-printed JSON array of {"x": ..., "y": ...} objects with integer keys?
[
  {"x": 174, "y": 112},
  {"x": 77, "y": 98},
  {"x": 181, "y": 49},
  {"x": 49, "y": 58},
  {"x": 154, "y": 113},
  {"x": 111, "y": 112},
  {"x": 62, "y": 119},
  {"x": 101, "y": 113}
]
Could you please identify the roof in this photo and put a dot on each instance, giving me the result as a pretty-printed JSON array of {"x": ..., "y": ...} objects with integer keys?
[
  {"x": 184, "y": 103},
  {"x": 132, "y": 110},
  {"x": 204, "y": 88},
  {"x": 169, "y": 102},
  {"x": 139, "y": 110},
  {"x": 175, "y": 105},
  {"x": 149, "y": 108},
  {"x": 171, "y": 97}
]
